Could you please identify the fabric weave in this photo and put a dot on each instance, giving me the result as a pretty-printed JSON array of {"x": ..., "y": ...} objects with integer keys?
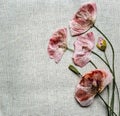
[{"x": 30, "y": 83}]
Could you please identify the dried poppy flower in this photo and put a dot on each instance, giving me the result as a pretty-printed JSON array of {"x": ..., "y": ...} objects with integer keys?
[
  {"x": 82, "y": 49},
  {"x": 57, "y": 44},
  {"x": 90, "y": 84},
  {"x": 83, "y": 19}
]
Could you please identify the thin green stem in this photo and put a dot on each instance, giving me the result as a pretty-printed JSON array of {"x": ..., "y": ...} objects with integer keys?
[
  {"x": 115, "y": 86},
  {"x": 113, "y": 57},
  {"x": 106, "y": 57},
  {"x": 70, "y": 49},
  {"x": 108, "y": 90},
  {"x": 93, "y": 64},
  {"x": 113, "y": 92},
  {"x": 107, "y": 104},
  {"x": 109, "y": 44},
  {"x": 102, "y": 60},
  {"x": 118, "y": 97},
  {"x": 112, "y": 102}
]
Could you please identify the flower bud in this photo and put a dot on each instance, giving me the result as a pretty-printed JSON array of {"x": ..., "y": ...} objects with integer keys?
[{"x": 101, "y": 44}]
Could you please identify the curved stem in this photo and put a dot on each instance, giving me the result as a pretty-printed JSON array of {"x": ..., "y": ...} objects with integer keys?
[
  {"x": 103, "y": 61},
  {"x": 112, "y": 99},
  {"x": 113, "y": 75},
  {"x": 93, "y": 64},
  {"x": 108, "y": 90},
  {"x": 107, "y": 86},
  {"x": 118, "y": 97},
  {"x": 70, "y": 49},
  {"x": 106, "y": 57},
  {"x": 107, "y": 104},
  {"x": 109, "y": 43}
]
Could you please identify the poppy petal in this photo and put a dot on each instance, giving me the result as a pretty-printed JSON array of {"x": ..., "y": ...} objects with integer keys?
[
  {"x": 83, "y": 19},
  {"x": 57, "y": 44},
  {"x": 90, "y": 84}
]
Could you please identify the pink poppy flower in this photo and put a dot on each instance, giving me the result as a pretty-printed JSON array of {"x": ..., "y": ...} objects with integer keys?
[
  {"x": 90, "y": 84},
  {"x": 82, "y": 49},
  {"x": 83, "y": 19},
  {"x": 57, "y": 44}
]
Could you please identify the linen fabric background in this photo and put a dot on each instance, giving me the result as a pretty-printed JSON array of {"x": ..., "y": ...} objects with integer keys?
[{"x": 30, "y": 83}]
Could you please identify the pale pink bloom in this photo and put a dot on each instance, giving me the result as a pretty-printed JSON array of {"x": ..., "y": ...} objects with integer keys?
[
  {"x": 82, "y": 49},
  {"x": 90, "y": 85},
  {"x": 83, "y": 19},
  {"x": 57, "y": 44}
]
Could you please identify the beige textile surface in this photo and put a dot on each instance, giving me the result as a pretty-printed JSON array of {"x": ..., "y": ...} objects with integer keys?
[{"x": 30, "y": 83}]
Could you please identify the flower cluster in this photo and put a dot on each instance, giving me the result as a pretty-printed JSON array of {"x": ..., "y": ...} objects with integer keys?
[{"x": 95, "y": 81}]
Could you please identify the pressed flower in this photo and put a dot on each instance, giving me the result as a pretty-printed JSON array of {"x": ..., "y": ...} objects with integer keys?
[
  {"x": 90, "y": 85},
  {"x": 83, "y": 19},
  {"x": 82, "y": 49},
  {"x": 57, "y": 44},
  {"x": 101, "y": 44}
]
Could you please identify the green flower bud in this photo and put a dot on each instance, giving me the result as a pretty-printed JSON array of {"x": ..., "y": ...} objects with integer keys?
[{"x": 101, "y": 44}]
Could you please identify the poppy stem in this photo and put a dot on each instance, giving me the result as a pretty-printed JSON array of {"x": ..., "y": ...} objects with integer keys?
[
  {"x": 115, "y": 85},
  {"x": 118, "y": 97},
  {"x": 103, "y": 61},
  {"x": 109, "y": 44},
  {"x": 70, "y": 49},
  {"x": 108, "y": 90},
  {"x": 106, "y": 57},
  {"x": 93, "y": 64},
  {"x": 113, "y": 81},
  {"x": 106, "y": 104},
  {"x": 107, "y": 87},
  {"x": 113, "y": 57}
]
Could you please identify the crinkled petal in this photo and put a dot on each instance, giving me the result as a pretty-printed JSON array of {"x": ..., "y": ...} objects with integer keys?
[
  {"x": 90, "y": 84},
  {"x": 83, "y": 96},
  {"x": 57, "y": 44},
  {"x": 81, "y": 60},
  {"x": 83, "y": 19},
  {"x": 82, "y": 49},
  {"x": 107, "y": 80}
]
